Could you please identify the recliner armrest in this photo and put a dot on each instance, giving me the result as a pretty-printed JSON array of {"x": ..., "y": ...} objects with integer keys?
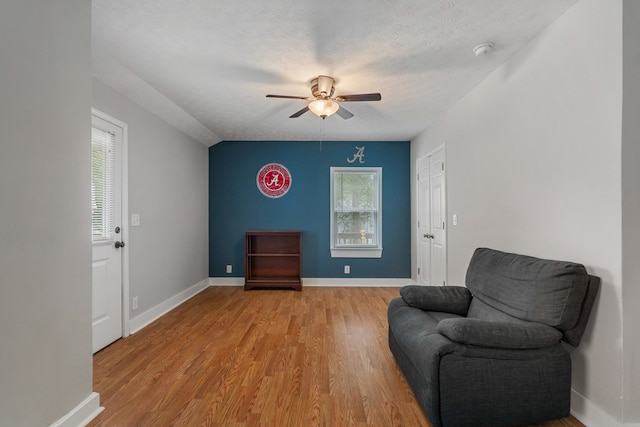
[
  {"x": 447, "y": 299},
  {"x": 485, "y": 333}
]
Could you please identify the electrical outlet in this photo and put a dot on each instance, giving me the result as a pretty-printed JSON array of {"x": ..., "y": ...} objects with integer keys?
[
  {"x": 134, "y": 303},
  {"x": 347, "y": 269},
  {"x": 229, "y": 268}
]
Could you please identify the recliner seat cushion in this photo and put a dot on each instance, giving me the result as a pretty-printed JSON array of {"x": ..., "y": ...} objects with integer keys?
[{"x": 488, "y": 333}]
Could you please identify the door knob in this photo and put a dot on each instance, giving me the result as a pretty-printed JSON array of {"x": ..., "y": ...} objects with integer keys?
[
  {"x": 428, "y": 236},
  {"x": 119, "y": 245}
]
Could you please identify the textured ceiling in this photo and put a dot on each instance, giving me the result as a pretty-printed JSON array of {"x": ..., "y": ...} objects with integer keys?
[{"x": 206, "y": 65}]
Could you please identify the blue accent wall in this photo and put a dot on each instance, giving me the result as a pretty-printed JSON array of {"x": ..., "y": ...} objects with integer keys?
[{"x": 236, "y": 204}]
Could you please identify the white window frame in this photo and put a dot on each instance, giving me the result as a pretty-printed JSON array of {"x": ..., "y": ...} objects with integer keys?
[{"x": 357, "y": 251}]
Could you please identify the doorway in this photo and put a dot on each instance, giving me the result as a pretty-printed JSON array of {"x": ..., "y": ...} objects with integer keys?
[
  {"x": 431, "y": 214},
  {"x": 108, "y": 230}
]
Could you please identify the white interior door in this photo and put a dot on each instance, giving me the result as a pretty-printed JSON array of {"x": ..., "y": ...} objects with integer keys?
[
  {"x": 424, "y": 222},
  {"x": 431, "y": 206},
  {"x": 438, "y": 219},
  {"x": 107, "y": 231}
]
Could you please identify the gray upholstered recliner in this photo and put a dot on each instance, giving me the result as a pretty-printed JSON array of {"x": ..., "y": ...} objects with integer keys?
[{"x": 490, "y": 353}]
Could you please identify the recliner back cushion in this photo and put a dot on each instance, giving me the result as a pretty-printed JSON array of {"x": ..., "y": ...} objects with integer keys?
[{"x": 528, "y": 288}]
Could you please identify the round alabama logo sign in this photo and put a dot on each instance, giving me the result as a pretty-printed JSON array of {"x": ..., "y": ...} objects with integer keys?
[{"x": 273, "y": 180}]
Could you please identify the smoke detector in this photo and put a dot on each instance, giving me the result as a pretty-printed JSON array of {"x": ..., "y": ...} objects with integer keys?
[{"x": 483, "y": 48}]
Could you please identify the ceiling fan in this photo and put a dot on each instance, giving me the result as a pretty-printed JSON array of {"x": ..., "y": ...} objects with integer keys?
[{"x": 323, "y": 103}]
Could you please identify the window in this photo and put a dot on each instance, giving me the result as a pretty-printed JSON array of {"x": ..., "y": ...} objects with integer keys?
[
  {"x": 356, "y": 213},
  {"x": 102, "y": 184}
]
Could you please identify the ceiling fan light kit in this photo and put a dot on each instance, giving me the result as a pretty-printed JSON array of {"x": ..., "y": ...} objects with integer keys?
[
  {"x": 323, "y": 103},
  {"x": 323, "y": 107}
]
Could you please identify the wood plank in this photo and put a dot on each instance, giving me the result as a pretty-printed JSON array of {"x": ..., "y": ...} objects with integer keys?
[{"x": 228, "y": 357}]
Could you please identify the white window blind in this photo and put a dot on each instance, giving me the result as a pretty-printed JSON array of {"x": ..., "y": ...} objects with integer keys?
[{"x": 102, "y": 184}]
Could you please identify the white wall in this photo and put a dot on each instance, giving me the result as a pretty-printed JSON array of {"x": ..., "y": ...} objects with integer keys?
[
  {"x": 45, "y": 246},
  {"x": 168, "y": 187},
  {"x": 533, "y": 156},
  {"x": 631, "y": 207}
]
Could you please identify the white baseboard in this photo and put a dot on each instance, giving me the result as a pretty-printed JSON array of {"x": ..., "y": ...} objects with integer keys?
[
  {"x": 309, "y": 281},
  {"x": 226, "y": 281},
  {"x": 159, "y": 310},
  {"x": 591, "y": 415},
  {"x": 82, "y": 414},
  {"x": 355, "y": 282}
]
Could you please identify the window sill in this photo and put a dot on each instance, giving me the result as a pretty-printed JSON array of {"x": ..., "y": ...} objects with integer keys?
[{"x": 356, "y": 252}]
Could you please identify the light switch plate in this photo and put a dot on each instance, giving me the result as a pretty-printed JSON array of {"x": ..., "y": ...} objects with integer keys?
[{"x": 135, "y": 220}]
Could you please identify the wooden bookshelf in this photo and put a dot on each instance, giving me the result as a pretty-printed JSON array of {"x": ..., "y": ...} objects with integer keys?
[{"x": 273, "y": 259}]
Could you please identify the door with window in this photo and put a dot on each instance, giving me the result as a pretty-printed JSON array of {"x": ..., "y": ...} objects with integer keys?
[
  {"x": 106, "y": 230},
  {"x": 431, "y": 213}
]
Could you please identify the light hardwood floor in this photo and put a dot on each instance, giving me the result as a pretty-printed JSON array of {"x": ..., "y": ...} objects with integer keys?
[{"x": 274, "y": 358}]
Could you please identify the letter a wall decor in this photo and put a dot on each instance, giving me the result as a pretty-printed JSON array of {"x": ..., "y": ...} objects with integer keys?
[{"x": 273, "y": 180}]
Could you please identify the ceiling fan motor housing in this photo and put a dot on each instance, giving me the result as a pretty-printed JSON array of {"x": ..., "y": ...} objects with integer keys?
[{"x": 322, "y": 87}]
